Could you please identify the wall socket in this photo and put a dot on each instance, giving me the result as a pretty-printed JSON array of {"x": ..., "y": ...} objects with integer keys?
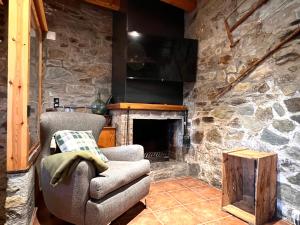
[{"x": 56, "y": 103}]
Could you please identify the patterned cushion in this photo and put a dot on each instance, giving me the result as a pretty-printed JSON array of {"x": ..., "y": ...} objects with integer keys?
[{"x": 70, "y": 140}]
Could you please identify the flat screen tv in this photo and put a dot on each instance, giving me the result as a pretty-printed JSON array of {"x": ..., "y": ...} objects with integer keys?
[{"x": 161, "y": 58}]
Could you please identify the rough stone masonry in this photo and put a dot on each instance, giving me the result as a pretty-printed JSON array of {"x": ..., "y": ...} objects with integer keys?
[
  {"x": 263, "y": 111},
  {"x": 3, "y": 109},
  {"x": 78, "y": 61}
]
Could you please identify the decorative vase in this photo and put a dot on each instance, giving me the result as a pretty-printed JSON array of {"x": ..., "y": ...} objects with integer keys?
[{"x": 99, "y": 106}]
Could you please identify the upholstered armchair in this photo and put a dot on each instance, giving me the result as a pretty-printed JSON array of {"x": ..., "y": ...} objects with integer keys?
[{"x": 86, "y": 197}]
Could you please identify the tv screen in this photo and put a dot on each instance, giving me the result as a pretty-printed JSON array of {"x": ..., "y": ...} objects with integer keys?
[{"x": 161, "y": 58}]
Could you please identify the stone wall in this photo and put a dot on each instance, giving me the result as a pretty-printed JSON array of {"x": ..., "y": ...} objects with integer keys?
[
  {"x": 263, "y": 111},
  {"x": 20, "y": 198},
  {"x": 3, "y": 108},
  {"x": 78, "y": 62}
]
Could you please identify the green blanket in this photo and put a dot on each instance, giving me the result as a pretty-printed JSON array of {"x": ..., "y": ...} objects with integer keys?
[{"x": 61, "y": 165}]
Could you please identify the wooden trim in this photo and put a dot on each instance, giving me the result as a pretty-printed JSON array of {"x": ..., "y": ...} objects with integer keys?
[
  {"x": 35, "y": 20},
  {"x": 250, "y": 154},
  {"x": 33, "y": 154},
  {"x": 186, "y": 5},
  {"x": 39, "y": 6},
  {"x": 18, "y": 71},
  {"x": 248, "y": 217},
  {"x": 109, "y": 4},
  {"x": 143, "y": 106},
  {"x": 265, "y": 198}
]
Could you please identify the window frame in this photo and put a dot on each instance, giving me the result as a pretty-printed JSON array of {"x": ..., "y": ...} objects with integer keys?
[{"x": 21, "y": 13}]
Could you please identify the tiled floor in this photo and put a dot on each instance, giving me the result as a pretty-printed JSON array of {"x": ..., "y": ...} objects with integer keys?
[{"x": 181, "y": 201}]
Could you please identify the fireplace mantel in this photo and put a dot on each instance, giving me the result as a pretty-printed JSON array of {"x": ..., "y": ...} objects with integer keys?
[{"x": 143, "y": 106}]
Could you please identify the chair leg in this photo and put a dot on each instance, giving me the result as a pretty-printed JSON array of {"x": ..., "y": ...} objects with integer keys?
[{"x": 145, "y": 204}]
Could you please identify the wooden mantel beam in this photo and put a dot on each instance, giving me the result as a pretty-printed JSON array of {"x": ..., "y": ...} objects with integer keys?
[
  {"x": 186, "y": 5},
  {"x": 109, "y": 4}
]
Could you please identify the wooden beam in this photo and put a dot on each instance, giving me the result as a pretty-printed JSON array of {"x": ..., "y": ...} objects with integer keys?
[
  {"x": 18, "y": 72},
  {"x": 109, "y": 4},
  {"x": 39, "y": 7},
  {"x": 143, "y": 106},
  {"x": 186, "y": 5}
]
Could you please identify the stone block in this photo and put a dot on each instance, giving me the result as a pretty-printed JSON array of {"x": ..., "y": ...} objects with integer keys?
[
  {"x": 272, "y": 138},
  {"x": 80, "y": 89},
  {"x": 296, "y": 139},
  {"x": 237, "y": 101},
  {"x": 56, "y": 54},
  {"x": 263, "y": 88},
  {"x": 293, "y": 152},
  {"x": 214, "y": 136},
  {"x": 58, "y": 74},
  {"x": 288, "y": 57},
  {"x": 279, "y": 109},
  {"x": 293, "y": 104},
  {"x": 251, "y": 123},
  {"x": 296, "y": 118},
  {"x": 223, "y": 112},
  {"x": 208, "y": 119},
  {"x": 295, "y": 179},
  {"x": 264, "y": 114},
  {"x": 197, "y": 137},
  {"x": 194, "y": 169},
  {"x": 196, "y": 122},
  {"x": 283, "y": 125},
  {"x": 242, "y": 87},
  {"x": 235, "y": 123},
  {"x": 246, "y": 110},
  {"x": 54, "y": 62},
  {"x": 288, "y": 194}
]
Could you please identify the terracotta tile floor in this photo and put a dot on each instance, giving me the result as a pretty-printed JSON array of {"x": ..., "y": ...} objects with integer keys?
[{"x": 181, "y": 201}]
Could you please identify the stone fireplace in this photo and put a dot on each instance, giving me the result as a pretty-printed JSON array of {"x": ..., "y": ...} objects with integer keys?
[
  {"x": 159, "y": 131},
  {"x": 164, "y": 126}
]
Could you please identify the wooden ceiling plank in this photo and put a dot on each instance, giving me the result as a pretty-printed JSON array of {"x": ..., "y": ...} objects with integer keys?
[
  {"x": 186, "y": 5},
  {"x": 109, "y": 4}
]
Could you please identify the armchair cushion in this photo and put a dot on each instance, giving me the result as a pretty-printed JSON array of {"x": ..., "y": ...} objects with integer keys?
[
  {"x": 118, "y": 174},
  {"x": 124, "y": 153}
]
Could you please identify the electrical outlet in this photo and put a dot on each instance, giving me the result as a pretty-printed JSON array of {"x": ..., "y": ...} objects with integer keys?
[
  {"x": 51, "y": 35},
  {"x": 56, "y": 103}
]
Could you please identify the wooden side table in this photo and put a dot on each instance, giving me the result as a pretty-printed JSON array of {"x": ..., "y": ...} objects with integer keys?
[
  {"x": 249, "y": 185},
  {"x": 107, "y": 137}
]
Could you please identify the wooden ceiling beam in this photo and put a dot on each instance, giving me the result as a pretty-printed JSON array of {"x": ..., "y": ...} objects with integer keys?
[
  {"x": 186, "y": 5},
  {"x": 109, "y": 4},
  {"x": 39, "y": 6}
]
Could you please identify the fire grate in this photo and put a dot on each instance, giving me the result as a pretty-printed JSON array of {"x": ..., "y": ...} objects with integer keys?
[{"x": 157, "y": 156}]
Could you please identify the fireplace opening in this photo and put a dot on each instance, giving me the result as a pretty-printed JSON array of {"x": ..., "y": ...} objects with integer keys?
[{"x": 156, "y": 136}]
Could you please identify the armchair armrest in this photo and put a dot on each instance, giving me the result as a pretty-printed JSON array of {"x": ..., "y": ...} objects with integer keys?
[
  {"x": 124, "y": 153},
  {"x": 68, "y": 199}
]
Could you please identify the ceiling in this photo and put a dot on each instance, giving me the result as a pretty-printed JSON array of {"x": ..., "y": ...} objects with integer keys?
[{"x": 186, "y": 5}]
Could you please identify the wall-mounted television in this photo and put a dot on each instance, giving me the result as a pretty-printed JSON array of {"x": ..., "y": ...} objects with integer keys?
[{"x": 161, "y": 58}]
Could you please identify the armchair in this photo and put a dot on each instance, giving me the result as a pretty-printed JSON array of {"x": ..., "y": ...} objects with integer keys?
[{"x": 87, "y": 198}]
